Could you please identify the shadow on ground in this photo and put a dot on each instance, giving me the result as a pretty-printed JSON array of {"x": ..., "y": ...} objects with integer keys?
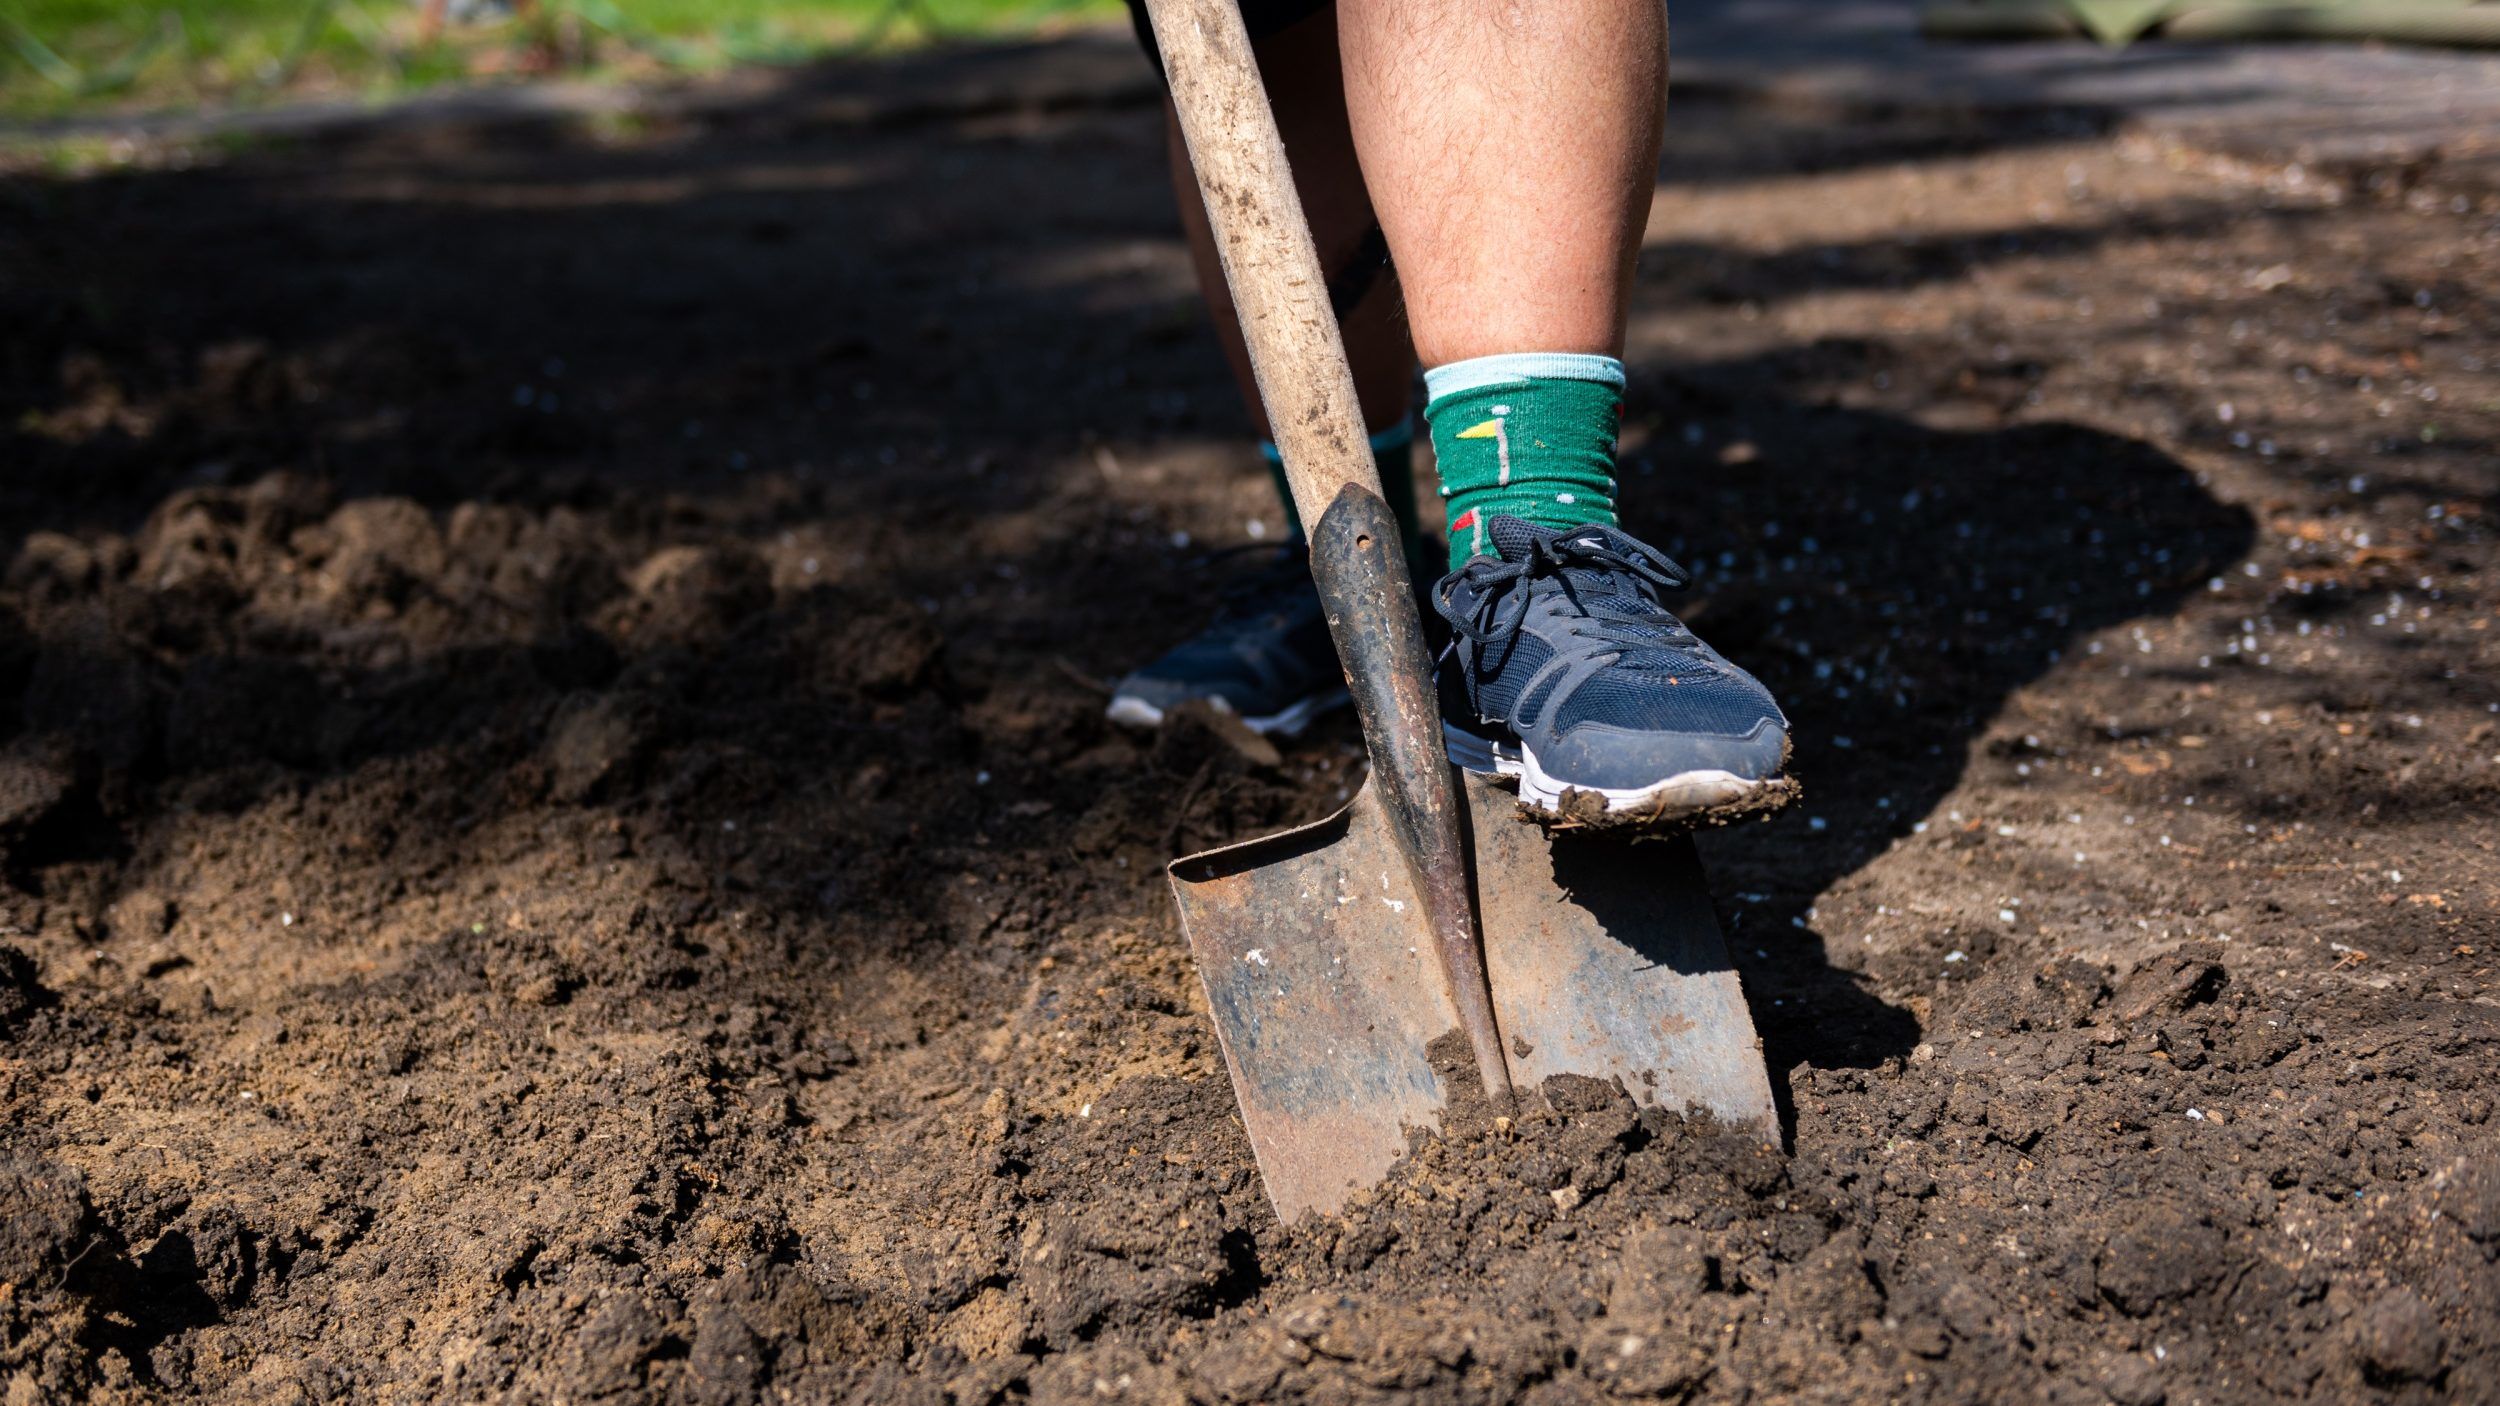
[
  {"x": 646, "y": 474},
  {"x": 527, "y": 619}
]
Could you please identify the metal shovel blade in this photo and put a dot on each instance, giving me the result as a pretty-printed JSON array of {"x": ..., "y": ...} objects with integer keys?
[{"x": 1605, "y": 959}]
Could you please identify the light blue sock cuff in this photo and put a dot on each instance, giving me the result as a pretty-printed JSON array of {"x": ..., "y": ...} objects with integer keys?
[
  {"x": 1397, "y": 436},
  {"x": 1514, "y": 368}
]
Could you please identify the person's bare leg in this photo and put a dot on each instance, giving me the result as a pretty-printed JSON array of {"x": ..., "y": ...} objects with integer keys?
[
  {"x": 1267, "y": 657},
  {"x": 1510, "y": 147},
  {"x": 1307, "y": 90}
]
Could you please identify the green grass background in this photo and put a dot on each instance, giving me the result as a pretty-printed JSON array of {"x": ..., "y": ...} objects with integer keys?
[{"x": 63, "y": 57}]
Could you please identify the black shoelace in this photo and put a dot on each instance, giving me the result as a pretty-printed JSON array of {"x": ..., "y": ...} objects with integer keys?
[{"x": 1496, "y": 603}]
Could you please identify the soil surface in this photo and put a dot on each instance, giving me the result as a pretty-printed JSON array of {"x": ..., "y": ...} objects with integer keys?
[{"x": 559, "y": 842}]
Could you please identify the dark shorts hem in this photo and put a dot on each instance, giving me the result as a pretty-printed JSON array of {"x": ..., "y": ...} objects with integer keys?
[{"x": 1261, "y": 17}]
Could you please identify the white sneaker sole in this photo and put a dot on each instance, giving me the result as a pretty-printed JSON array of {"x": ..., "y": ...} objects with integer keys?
[
  {"x": 1685, "y": 793},
  {"x": 1137, "y": 712}
]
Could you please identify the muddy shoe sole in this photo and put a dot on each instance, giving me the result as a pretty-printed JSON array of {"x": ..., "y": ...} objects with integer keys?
[{"x": 1684, "y": 800}]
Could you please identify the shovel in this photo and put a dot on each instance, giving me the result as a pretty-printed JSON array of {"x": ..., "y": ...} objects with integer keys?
[{"x": 1339, "y": 955}]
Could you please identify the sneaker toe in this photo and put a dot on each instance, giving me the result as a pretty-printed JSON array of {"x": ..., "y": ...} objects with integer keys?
[{"x": 1601, "y": 756}]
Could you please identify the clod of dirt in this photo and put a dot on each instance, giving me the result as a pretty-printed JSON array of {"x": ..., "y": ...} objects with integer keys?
[
  {"x": 141, "y": 915},
  {"x": 2008, "y": 997},
  {"x": 376, "y": 555},
  {"x": 192, "y": 576},
  {"x": 22, "y": 993},
  {"x": 2396, "y": 1337},
  {"x": 43, "y": 1207},
  {"x": 2164, "y": 1251},
  {"x": 2471, "y": 1197},
  {"x": 214, "y": 1250},
  {"x": 38, "y": 775},
  {"x": 2128, "y": 1380},
  {"x": 2170, "y": 983},
  {"x": 51, "y": 567},
  {"x": 685, "y": 595},
  {"x": 881, "y": 648},
  {"x": 612, "y": 1353},
  {"x": 275, "y": 506},
  {"x": 1192, "y": 726},
  {"x": 243, "y": 375},
  {"x": 1162, "y": 1249},
  {"x": 595, "y": 738}
]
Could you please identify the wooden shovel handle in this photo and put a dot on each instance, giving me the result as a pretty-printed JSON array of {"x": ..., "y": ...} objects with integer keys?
[
  {"x": 1279, "y": 291},
  {"x": 1299, "y": 359}
]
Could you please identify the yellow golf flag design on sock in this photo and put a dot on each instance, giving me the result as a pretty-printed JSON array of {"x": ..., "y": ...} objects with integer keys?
[
  {"x": 1551, "y": 419},
  {"x": 1497, "y": 430}
]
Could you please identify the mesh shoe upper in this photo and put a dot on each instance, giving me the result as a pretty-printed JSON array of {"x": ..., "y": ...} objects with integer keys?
[
  {"x": 1266, "y": 657},
  {"x": 1562, "y": 644}
]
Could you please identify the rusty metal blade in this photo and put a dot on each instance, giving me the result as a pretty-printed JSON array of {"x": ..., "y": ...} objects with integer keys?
[
  {"x": 1605, "y": 959},
  {"x": 1320, "y": 973}
]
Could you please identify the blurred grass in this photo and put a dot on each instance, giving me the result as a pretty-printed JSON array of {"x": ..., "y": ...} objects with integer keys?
[{"x": 62, "y": 58}]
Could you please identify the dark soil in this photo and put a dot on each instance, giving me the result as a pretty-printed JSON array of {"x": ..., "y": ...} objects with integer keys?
[{"x": 559, "y": 843}]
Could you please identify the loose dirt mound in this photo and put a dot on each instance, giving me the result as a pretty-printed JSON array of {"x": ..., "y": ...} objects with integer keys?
[{"x": 559, "y": 842}]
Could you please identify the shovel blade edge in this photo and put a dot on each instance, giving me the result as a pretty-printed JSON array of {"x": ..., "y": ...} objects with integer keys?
[
  {"x": 1320, "y": 977},
  {"x": 1605, "y": 960}
]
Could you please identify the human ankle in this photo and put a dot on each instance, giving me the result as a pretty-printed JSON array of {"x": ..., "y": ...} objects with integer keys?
[
  {"x": 1393, "y": 456},
  {"x": 1526, "y": 435}
]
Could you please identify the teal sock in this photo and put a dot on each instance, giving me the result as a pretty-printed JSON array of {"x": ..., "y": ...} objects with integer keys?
[
  {"x": 1393, "y": 454},
  {"x": 1529, "y": 436}
]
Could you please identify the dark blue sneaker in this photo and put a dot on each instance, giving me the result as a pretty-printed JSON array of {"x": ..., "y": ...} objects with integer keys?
[
  {"x": 1267, "y": 659},
  {"x": 1578, "y": 683}
]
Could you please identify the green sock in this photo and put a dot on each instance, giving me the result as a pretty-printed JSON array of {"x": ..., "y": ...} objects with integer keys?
[
  {"x": 1529, "y": 436},
  {"x": 1393, "y": 454}
]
